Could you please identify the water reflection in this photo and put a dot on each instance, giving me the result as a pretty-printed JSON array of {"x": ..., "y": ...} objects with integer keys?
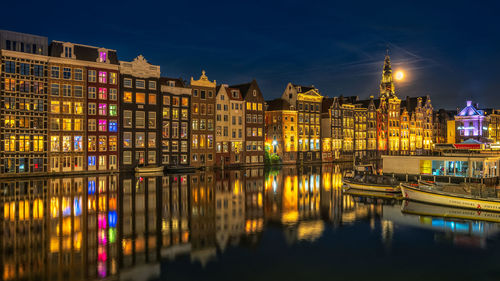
[{"x": 124, "y": 225}]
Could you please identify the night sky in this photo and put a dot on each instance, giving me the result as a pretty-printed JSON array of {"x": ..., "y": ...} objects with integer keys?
[{"x": 450, "y": 51}]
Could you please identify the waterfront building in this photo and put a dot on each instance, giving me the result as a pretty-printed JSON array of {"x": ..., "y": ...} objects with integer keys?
[
  {"x": 24, "y": 109},
  {"x": 281, "y": 131},
  {"x": 67, "y": 82},
  {"x": 140, "y": 111},
  {"x": 307, "y": 101},
  {"x": 176, "y": 109},
  {"x": 236, "y": 127},
  {"x": 101, "y": 99},
  {"x": 472, "y": 123},
  {"x": 371, "y": 132},
  {"x": 203, "y": 121},
  {"x": 327, "y": 145},
  {"x": 360, "y": 130},
  {"x": 254, "y": 122},
  {"x": 222, "y": 115}
]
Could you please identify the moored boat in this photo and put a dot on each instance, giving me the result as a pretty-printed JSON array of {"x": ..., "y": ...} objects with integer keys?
[
  {"x": 377, "y": 183},
  {"x": 424, "y": 209},
  {"x": 149, "y": 169},
  {"x": 428, "y": 195},
  {"x": 374, "y": 194}
]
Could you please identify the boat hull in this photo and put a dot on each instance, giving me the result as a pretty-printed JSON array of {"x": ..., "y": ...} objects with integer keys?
[
  {"x": 424, "y": 209},
  {"x": 425, "y": 196},
  {"x": 372, "y": 187},
  {"x": 149, "y": 169}
]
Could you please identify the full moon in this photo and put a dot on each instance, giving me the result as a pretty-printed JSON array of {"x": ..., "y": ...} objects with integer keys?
[{"x": 400, "y": 75}]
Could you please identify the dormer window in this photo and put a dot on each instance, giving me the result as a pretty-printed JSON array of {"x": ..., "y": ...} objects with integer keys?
[
  {"x": 102, "y": 56},
  {"x": 171, "y": 83},
  {"x": 254, "y": 93},
  {"x": 235, "y": 94},
  {"x": 68, "y": 52}
]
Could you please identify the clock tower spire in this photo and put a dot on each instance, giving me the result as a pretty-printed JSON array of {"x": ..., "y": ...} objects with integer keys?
[{"x": 387, "y": 82}]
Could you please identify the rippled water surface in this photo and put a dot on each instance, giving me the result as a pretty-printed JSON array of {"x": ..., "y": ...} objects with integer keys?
[{"x": 250, "y": 224}]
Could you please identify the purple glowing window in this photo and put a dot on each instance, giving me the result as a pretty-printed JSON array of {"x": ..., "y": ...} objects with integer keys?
[{"x": 102, "y": 56}]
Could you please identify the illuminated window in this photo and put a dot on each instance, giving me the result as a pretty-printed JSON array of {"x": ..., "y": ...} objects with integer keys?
[
  {"x": 249, "y": 106},
  {"x": 102, "y": 125},
  {"x": 113, "y": 126},
  {"x": 103, "y": 109},
  {"x": 54, "y": 143},
  {"x": 78, "y": 143},
  {"x": 166, "y": 100},
  {"x": 91, "y": 161},
  {"x": 152, "y": 139},
  {"x": 66, "y": 107},
  {"x": 102, "y": 56},
  {"x": 113, "y": 110},
  {"x": 127, "y": 139},
  {"x": 139, "y": 139},
  {"x": 127, "y": 96},
  {"x": 78, "y": 108},
  {"x": 112, "y": 78},
  {"x": 113, "y": 143},
  {"x": 55, "y": 107},
  {"x": 166, "y": 113},
  {"x": 66, "y": 143},
  {"x": 140, "y": 98},
  {"x": 185, "y": 102},
  {"x": 78, "y": 125},
  {"x": 103, "y": 77},
  {"x": 103, "y": 143},
  {"x": 66, "y": 124},
  {"x": 103, "y": 93},
  {"x": 151, "y": 119},
  {"x": 92, "y": 144},
  {"x": 166, "y": 129},
  {"x": 152, "y": 98}
]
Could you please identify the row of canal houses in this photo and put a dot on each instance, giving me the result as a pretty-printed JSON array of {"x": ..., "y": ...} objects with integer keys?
[{"x": 71, "y": 108}]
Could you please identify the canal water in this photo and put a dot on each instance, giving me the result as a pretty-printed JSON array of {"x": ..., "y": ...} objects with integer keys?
[{"x": 250, "y": 224}]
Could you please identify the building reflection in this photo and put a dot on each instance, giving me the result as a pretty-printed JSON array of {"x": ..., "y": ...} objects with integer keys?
[{"x": 123, "y": 226}]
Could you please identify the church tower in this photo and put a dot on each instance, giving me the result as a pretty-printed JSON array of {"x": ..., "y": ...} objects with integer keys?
[{"x": 387, "y": 83}]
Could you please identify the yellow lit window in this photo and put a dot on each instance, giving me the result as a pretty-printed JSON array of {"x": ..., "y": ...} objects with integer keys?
[
  {"x": 259, "y": 106},
  {"x": 127, "y": 96},
  {"x": 55, "y": 107},
  {"x": 152, "y": 98},
  {"x": 112, "y": 77},
  {"x": 249, "y": 106},
  {"x": 54, "y": 143},
  {"x": 66, "y": 124},
  {"x": 78, "y": 108},
  {"x": 254, "y": 106},
  {"x": 140, "y": 98}
]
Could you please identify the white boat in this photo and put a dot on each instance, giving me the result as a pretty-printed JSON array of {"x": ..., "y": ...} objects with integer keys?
[
  {"x": 374, "y": 194},
  {"x": 428, "y": 195},
  {"x": 373, "y": 183},
  {"x": 149, "y": 169},
  {"x": 423, "y": 209}
]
